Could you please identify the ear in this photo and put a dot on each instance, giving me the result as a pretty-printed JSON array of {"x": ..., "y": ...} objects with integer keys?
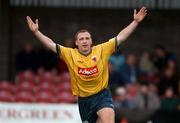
[
  {"x": 76, "y": 43},
  {"x": 91, "y": 42}
]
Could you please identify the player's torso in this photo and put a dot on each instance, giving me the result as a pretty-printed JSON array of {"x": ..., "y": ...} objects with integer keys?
[
  {"x": 89, "y": 74},
  {"x": 87, "y": 68}
]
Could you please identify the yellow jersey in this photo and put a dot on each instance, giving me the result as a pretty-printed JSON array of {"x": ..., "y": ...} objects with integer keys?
[{"x": 89, "y": 74}]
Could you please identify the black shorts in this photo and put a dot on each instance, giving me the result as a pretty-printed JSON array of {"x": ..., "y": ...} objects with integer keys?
[{"x": 88, "y": 106}]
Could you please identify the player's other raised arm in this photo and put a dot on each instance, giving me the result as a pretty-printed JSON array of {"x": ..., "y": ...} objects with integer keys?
[
  {"x": 34, "y": 27},
  {"x": 126, "y": 32}
]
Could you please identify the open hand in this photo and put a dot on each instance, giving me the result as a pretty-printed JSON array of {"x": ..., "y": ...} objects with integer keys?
[
  {"x": 138, "y": 17},
  {"x": 34, "y": 27}
]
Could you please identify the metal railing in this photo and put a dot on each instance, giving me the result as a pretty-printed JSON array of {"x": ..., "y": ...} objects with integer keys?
[{"x": 160, "y": 4}]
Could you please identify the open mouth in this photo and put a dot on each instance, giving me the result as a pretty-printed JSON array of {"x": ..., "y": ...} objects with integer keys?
[{"x": 84, "y": 45}]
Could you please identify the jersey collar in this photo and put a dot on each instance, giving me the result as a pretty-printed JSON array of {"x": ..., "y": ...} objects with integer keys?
[{"x": 85, "y": 54}]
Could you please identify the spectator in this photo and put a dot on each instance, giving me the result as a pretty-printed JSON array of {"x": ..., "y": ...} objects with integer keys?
[
  {"x": 146, "y": 65},
  {"x": 146, "y": 99},
  {"x": 168, "y": 79},
  {"x": 26, "y": 59},
  {"x": 160, "y": 58},
  {"x": 171, "y": 63},
  {"x": 47, "y": 59},
  {"x": 120, "y": 100},
  {"x": 129, "y": 72},
  {"x": 117, "y": 60},
  {"x": 169, "y": 100},
  {"x": 114, "y": 79},
  {"x": 131, "y": 95}
]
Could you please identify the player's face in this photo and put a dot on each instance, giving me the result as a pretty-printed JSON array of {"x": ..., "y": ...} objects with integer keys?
[{"x": 84, "y": 42}]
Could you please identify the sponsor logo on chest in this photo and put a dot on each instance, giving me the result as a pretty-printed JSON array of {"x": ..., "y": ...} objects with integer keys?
[{"x": 87, "y": 71}]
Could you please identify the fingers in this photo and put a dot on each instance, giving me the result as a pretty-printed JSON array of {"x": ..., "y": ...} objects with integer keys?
[
  {"x": 36, "y": 21},
  {"x": 29, "y": 20},
  {"x": 145, "y": 13},
  {"x": 135, "y": 11},
  {"x": 143, "y": 10}
]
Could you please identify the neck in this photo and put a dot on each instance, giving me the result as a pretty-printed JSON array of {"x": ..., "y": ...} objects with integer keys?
[{"x": 85, "y": 52}]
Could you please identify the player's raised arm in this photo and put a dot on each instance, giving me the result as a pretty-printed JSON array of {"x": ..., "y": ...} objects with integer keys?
[
  {"x": 34, "y": 27},
  {"x": 126, "y": 32}
]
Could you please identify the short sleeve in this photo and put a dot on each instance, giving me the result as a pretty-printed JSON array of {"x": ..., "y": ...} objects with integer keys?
[
  {"x": 109, "y": 47},
  {"x": 62, "y": 52}
]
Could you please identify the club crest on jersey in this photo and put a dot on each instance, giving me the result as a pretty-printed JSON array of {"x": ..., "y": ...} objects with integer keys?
[
  {"x": 94, "y": 58},
  {"x": 87, "y": 71}
]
